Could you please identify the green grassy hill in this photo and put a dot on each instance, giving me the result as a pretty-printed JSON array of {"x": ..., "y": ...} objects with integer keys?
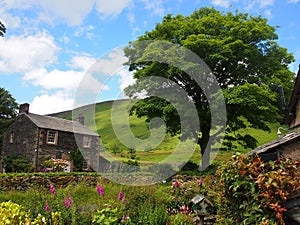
[{"x": 100, "y": 121}]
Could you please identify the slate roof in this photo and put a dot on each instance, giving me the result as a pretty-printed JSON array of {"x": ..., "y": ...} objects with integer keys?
[
  {"x": 54, "y": 123},
  {"x": 276, "y": 143}
]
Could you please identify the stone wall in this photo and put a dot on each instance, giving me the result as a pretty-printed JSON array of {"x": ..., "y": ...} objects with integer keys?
[
  {"x": 20, "y": 182},
  {"x": 291, "y": 149}
]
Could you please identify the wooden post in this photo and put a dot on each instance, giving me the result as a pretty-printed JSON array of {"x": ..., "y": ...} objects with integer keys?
[{"x": 201, "y": 220}]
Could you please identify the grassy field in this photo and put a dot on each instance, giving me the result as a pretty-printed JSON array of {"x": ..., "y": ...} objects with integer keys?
[{"x": 100, "y": 121}]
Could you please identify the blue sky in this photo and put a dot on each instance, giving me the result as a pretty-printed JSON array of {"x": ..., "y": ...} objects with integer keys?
[{"x": 51, "y": 44}]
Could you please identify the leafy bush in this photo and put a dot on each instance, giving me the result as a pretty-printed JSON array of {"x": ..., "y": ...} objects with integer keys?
[
  {"x": 17, "y": 164},
  {"x": 251, "y": 191},
  {"x": 12, "y": 213}
]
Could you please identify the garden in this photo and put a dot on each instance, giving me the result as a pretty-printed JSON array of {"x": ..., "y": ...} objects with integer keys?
[{"x": 244, "y": 190}]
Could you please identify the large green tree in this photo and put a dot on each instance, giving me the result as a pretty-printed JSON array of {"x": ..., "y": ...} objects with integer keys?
[
  {"x": 8, "y": 111},
  {"x": 243, "y": 55}
]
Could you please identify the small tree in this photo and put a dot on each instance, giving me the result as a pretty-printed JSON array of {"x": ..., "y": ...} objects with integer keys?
[{"x": 8, "y": 111}]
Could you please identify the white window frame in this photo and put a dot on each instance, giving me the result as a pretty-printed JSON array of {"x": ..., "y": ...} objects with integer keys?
[
  {"x": 11, "y": 137},
  {"x": 54, "y": 138},
  {"x": 86, "y": 141}
]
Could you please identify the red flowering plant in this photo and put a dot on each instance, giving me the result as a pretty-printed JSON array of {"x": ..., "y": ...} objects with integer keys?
[{"x": 251, "y": 191}]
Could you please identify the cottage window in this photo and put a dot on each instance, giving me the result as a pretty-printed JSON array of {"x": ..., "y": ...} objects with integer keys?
[
  {"x": 52, "y": 137},
  {"x": 11, "y": 137},
  {"x": 86, "y": 164},
  {"x": 87, "y": 141}
]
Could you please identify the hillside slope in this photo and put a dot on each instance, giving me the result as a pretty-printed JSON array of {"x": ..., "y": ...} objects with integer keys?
[{"x": 103, "y": 125}]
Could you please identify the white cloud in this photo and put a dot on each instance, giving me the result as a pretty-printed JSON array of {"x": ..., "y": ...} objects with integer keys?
[
  {"x": 55, "y": 79},
  {"x": 111, "y": 8},
  {"x": 20, "y": 54},
  {"x": 268, "y": 13},
  {"x": 293, "y": 1},
  {"x": 72, "y": 11},
  {"x": 46, "y": 104},
  {"x": 265, "y": 3},
  {"x": 155, "y": 6},
  {"x": 9, "y": 20},
  {"x": 260, "y": 3},
  {"x": 82, "y": 62},
  {"x": 110, "y": 64},
  {"x": 84, "y": 30},
  {"x": 126, "y": 78},
  {"x": 222, "y": 3}
]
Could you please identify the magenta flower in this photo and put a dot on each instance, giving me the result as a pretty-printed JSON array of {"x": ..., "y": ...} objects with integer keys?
[
  {"x": 52, "y": 189},
  {"x": 67, "y": 202},
  {"x": 100, "y": 190},
  {"x": 47, "y": 208},
  {"x": 120, "y": 195},
  {"x": 70, "y": 200},
  {"x": 123, "y": 201},
  {"x": 200, "y": 182},
  {"x": 176, "y": 184}
]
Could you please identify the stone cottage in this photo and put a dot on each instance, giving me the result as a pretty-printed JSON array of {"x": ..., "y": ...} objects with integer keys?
[{"x": 39, "y": 137}]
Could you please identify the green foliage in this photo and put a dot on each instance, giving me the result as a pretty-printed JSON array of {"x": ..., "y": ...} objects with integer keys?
[
  {"x": 17, "y": 164},
  {"x": 241, "y": 51},
  {"x": 12, "y": 213},
  {"x": 251, "y": 191},
  {"x": 150, "y": 214},
  {"x": 107, "y": 216},
  {"x": 78, "y": 159},
  {"x": 8, "y": 105}
]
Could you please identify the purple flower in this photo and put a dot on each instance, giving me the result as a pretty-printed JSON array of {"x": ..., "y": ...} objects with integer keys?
[
  {"x": 120, "y": 195},
  {"x": 123, "y": 201},
  {"x": 47, "y": 207},
  {"x": 52, "y": 190},
  {"x": 176, "y": 184},
  {"x": 200, "y": 182},
  {"x": 100, "y": 190}
]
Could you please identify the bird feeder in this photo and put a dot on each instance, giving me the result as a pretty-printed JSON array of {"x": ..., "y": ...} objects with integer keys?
[{"x": 202, "y": 207}]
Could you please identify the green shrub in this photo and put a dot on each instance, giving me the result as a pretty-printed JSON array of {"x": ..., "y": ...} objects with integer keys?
[
  {"x": 251, "y": 191},
  {"x": 17, "y": 164},
  {"x": 12, "y": 213}
]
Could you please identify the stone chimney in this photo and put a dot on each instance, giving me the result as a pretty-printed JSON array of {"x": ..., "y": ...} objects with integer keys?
[
  {"x": 80, "y": 119},
  {"x": 24, "y": 108}
]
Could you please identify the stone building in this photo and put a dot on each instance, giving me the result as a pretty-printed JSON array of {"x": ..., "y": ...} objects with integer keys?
[
  {"x": 287, "y": 145},
  {"x": 39, "y": 137}
]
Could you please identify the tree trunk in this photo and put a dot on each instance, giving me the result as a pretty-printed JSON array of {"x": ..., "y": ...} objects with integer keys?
[{"x": 205, "y": 150}]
